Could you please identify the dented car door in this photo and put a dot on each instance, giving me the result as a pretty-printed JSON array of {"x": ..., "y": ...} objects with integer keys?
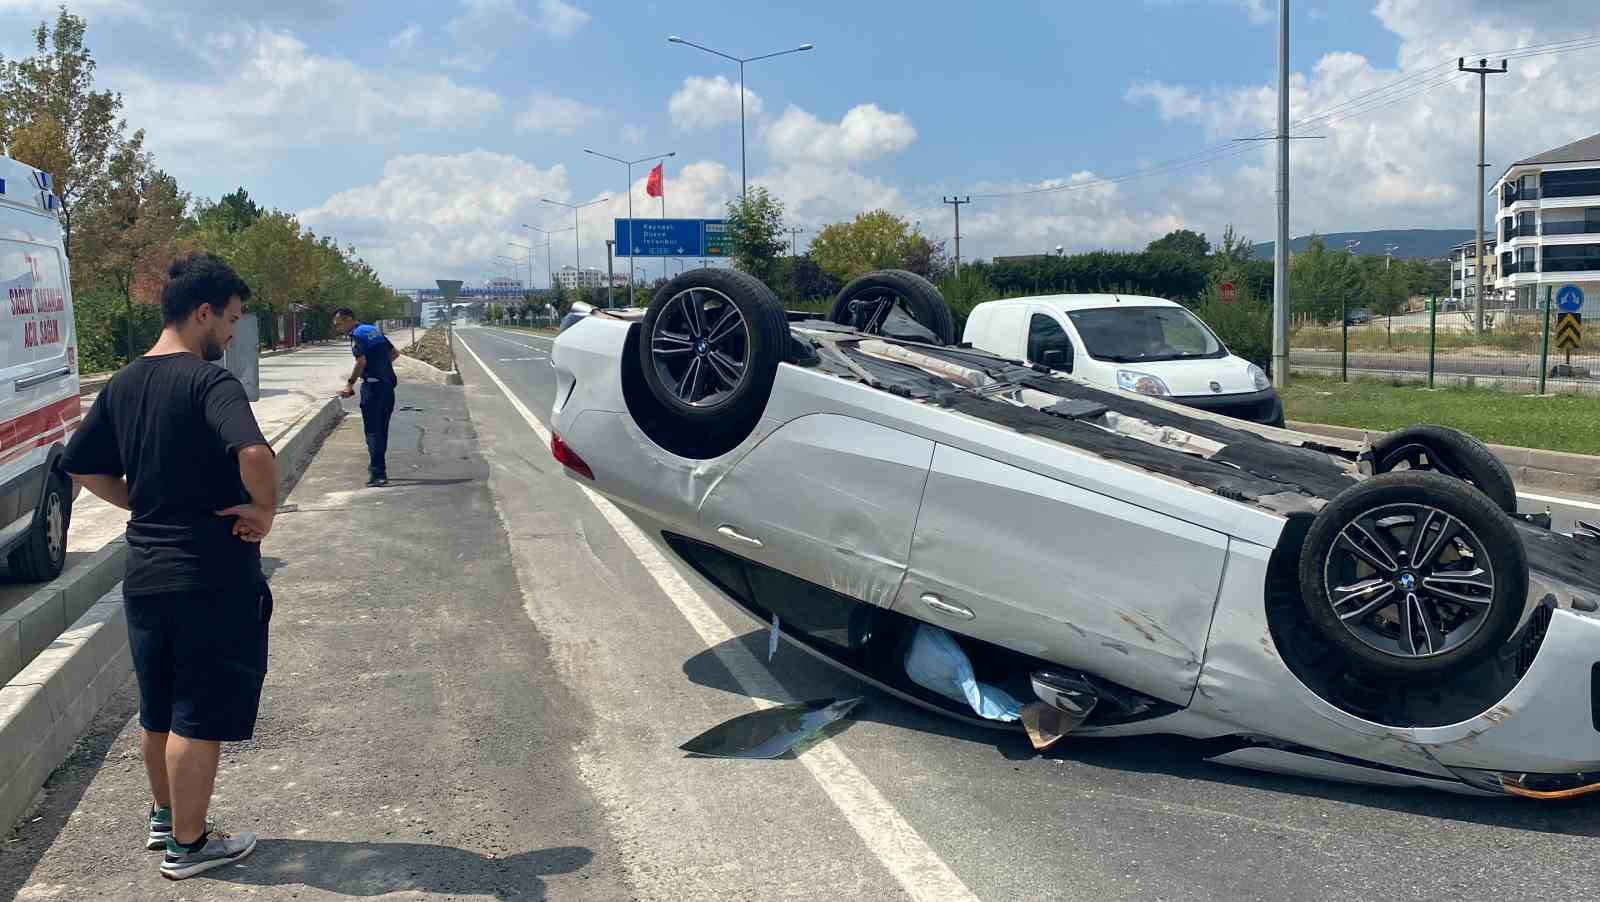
[
  {"x": 829, "y": 499},
  {"x": 1065, "y": 574}
]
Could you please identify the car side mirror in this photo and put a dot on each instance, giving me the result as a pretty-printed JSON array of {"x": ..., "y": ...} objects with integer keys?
[{"x": 1056, "y": 360}]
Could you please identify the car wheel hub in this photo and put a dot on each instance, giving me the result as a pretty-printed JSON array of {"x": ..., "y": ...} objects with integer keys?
[
  {"x": 1410, "y": 580},
  {"x": 699, "y": 346},
  {"x": 55, "y": 527}
]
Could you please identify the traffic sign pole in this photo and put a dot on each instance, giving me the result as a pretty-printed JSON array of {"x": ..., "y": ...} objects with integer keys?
[{"x": 1433, "y": 333}]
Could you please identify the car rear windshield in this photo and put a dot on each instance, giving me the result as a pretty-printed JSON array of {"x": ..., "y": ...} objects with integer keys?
[{"x": 1129, "y": 334}]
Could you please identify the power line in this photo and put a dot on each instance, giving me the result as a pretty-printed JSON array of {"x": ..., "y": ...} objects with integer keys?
[{"x": 1398, "y": 91}]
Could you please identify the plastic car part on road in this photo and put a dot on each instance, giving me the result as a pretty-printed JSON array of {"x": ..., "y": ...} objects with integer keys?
[
  {"x": 936, "y": 663},
  {"x": 770, "y": 732}
]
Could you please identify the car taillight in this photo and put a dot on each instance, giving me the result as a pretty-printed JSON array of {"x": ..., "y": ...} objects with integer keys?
[{"x": 569, "y": 458}]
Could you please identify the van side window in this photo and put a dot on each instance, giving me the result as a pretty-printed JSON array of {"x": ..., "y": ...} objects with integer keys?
[{"x": 1045, "y": 334}]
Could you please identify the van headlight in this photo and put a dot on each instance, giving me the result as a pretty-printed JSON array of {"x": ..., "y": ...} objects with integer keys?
[
  {"x": 1258, "y": 377},
  {"x": 1143, "y": 383}
]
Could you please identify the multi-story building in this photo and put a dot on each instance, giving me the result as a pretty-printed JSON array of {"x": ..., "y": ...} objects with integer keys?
[
  {"x": 1464, "y": 273},
  {"x": 1548, "y": 227},
  {"x": 570, "y": 278}
]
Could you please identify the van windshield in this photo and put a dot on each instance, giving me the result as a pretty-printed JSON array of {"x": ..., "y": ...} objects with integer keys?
[{"x": 1132, "y": 334}]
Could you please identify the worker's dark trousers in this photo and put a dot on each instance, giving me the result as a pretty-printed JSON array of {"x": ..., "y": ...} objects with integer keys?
[{"x": 377, "y": 405}]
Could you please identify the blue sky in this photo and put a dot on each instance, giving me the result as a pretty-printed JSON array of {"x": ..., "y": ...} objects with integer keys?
[{"x": 426, "y": 133}]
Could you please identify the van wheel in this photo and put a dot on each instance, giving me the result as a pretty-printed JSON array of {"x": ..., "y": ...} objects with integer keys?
[
  {"x": 710, "y": 347},
  {"x": 43, "y": 553},
  {"x": 1448, "y": 452},
  {"x": 897, "y": 304},
  {"x": 1415, "y": 576}
]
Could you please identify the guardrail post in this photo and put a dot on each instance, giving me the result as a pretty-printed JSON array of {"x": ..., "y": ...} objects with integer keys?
[
  {"x": 1433, "y": 333},
  {"x": 1544, "y": 343}
]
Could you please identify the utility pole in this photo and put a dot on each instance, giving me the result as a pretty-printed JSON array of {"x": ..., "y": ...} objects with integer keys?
[
  {"x": 956, "y": 202},
  {"x": 1483, "y": 70},
  {"x": 794, "y": 233},
  {"x": 1280, "y": 248}
]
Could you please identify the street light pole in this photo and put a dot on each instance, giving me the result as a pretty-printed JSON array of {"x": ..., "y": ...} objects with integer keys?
[
  {"x": 577, "y": 263},
  {"x": 744, "y": 181},
  {"x": 630, "y": 164}
]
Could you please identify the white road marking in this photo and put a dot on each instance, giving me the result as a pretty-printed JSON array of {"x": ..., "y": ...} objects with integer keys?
[
  {"x": 902, "y": 851},
  {"x": 1557, "y": 499}
]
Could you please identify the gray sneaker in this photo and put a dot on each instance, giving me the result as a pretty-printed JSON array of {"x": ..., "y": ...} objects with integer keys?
[
  {"x": 160, "y": 829},
  {"x": 220, "y": 849}
]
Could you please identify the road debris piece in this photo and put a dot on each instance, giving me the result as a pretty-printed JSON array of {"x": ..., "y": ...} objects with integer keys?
[{"x": 770, "y": 732}]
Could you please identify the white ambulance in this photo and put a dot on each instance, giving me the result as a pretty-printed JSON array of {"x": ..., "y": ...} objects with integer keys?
[{"x": 39, "y": 405}]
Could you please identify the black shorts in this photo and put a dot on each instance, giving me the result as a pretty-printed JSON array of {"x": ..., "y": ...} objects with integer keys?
[{"x": 201, "y": 658}]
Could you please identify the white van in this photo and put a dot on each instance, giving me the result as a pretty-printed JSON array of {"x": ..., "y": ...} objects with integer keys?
[
  {"x": 1139, "y": 344},
  {"x": 39, "y": 405}
]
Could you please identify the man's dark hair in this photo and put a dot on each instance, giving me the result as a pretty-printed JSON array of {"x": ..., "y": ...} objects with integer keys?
[
  {"x": 344, "y": 312},
  {"x": 200, "y": 278}
]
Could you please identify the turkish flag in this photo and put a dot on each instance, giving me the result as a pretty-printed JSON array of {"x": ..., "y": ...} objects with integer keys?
[{"x": 652, "y": 185}]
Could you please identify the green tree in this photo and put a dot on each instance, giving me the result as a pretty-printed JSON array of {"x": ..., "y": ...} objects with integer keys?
[
  {"x": 231, "y": 215},
  {"x": 1183, "y": 242},
  {"x": 1233, "y": 253},
  {"x": 52, "y": 118},
  {"x": 129, "y": 227},
  {"x": 757, "y": 225},
  {"x": 874, "y": 240}
]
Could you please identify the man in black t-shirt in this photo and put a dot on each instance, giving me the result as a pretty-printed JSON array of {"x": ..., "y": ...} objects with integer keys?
[
  {"x": 374, "y": 369},
  {"x": 172, "y": 440}
]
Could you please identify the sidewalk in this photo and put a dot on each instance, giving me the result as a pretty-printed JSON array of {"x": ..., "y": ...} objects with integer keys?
[
  {"x": 290, "y": 384},
  {"x": 414, "y": 739}
]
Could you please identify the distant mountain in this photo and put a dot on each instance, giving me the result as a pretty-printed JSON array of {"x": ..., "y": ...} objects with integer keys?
[{"x": 1413, "y": 243}]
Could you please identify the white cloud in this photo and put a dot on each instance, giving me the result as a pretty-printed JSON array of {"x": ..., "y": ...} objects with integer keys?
[
  {"x": 560, "y": 19},
  {"x": 709, "y": 102},
  {"x": 633, "y": 134},
  {"x": 407, "y": 38},
  {"x": 1257, "y": 11},
  {"x": 1405, "y": 156},
  {"x": 545, "y": 112},
  {"x": 864, "y": 133},
  {"x": 431, "y": 216},
  {"x": 260, "y": 90}
]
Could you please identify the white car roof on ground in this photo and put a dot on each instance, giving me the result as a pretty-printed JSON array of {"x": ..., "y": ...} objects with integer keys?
[{"x": 1068, "y": 303}]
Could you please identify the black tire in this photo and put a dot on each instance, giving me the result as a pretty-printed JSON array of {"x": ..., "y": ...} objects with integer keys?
[
  {"x": 1366, "y": 575},
  {"x": 701, "y": 377},
  {"x": 43, "y": 553},
  {"x": 860, "y": 304},
  {"x": 1450, "y": 452}
]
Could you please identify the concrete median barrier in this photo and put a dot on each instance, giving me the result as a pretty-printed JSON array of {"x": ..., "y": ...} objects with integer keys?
[
  {"x": 66, "y": 646},
  {"x": 1531, "y": 468}
]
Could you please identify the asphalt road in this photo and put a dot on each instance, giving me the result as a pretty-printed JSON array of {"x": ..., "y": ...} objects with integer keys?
[{"x": 900, "y": 803}]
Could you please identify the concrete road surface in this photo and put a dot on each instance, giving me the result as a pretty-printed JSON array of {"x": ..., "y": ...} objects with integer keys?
[{"x": 515, "y": 665}]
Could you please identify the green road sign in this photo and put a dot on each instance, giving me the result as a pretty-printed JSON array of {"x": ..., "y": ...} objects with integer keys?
[{"x": 718, "y": 239}]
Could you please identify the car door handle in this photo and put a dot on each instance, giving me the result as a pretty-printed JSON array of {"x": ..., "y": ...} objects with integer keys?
[
  {"x": 42, "y": 378},
  {"x": 946, "y": 608},
  {"x": 738, "y": 536}
]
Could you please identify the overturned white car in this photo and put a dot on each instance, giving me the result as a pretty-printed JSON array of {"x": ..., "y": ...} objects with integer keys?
[{"x": 1376, "y": 614}]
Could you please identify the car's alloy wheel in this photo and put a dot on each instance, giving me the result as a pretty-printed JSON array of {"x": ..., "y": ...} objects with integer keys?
[
  {"x": 1414, "y": 575},
  {"x": 894, "y": 303},
  {"x": 1410, "y": 580},
  {"x": 1448, "y": 452},
  {"x": 700, "y": 346}
]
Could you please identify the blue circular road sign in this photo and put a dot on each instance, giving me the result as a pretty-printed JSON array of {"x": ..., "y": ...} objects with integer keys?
[{"x": 1569, "y": 298}]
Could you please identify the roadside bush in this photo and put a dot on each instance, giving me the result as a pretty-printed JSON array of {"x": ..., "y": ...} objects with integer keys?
[
  {"x": 102, "y": 321},
  {"x": 1245, "y": 326}
]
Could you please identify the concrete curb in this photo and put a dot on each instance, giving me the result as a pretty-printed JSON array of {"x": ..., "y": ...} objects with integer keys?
[
  {"x": 48, "y": 702},
  {"x": 1553, "y": 471}
]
